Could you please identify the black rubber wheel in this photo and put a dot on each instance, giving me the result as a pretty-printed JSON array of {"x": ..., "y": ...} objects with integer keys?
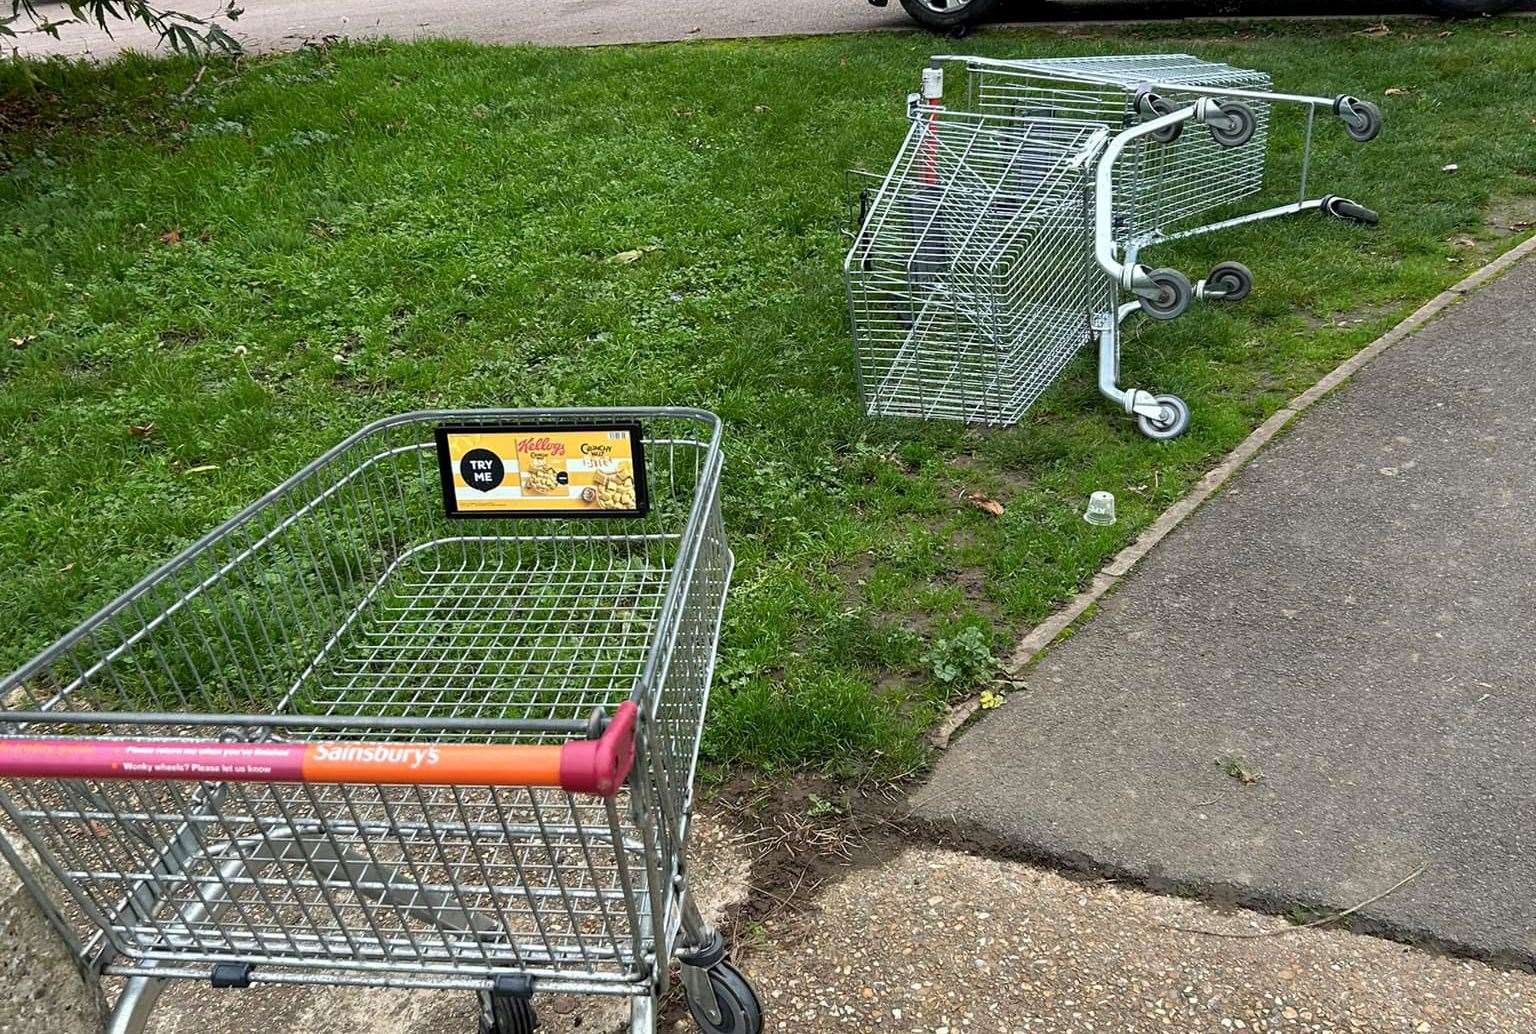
[
  {"x": 509, "y": 1016},
  {"x": 1362, "y": 121},
  {"x": 1233, "y": 281},
  {"x": 1344, "y": 208},
  {"x": 1468, "y": 8},
  {"x": 737, "y": 1003},
  {"x": 948, "y": 15},
  {"x": 1173, "y": 294},
  {"x": 1153, "y": 106},
  {"x": 1243, "y": 124},
  {"x": 1175, "y": 422}
]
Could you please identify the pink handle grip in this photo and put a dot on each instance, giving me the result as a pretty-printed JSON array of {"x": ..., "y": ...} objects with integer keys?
[{"x": 600, "y": 766}]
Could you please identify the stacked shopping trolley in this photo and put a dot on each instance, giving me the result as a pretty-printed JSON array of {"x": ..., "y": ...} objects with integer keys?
[{"x": 1006, "y": 233}]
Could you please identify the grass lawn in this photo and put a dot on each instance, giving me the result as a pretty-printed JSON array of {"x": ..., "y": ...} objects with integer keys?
[{"x": 206, "y": 283}]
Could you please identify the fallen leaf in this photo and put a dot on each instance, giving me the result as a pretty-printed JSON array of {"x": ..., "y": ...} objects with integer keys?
[
  {"x": 760, "y": 108},
  {"x": 67, "y": 568},
  {"x": 623, "y": 258},
  {"x": 143, "y": 430},
  {"x": 171, "y": 237},
  {"x": 1394, "y": 91},
  {"x": 1376, "y": 31},
  {"x": 204, "y": 468},
  {"x": 1444, "y": 34},
  {"x": 693, "y": 30},
  {"x": 19, "y": 343},
  {"x": 985, "y": 504},
  {"x": 1462, "y": 242}
]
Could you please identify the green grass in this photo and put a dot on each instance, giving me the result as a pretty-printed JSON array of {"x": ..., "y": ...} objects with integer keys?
[{"x": 259, "y": 263}]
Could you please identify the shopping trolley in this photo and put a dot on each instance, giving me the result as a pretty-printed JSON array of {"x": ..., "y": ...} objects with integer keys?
[
  {"x": 966, "y": 276},
  {"x": 425, "y": 715},
  {"x": 1167, "y": 178},
  {"x": 972, "y": 276}
]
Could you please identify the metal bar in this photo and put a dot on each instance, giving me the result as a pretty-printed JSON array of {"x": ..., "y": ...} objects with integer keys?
[
  {"x": 296, "y": 721},
  {"x": 1251, "y": 217}
]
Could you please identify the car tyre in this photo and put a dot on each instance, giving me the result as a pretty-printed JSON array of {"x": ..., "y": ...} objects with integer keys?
[{"x": 949, "y": 15}]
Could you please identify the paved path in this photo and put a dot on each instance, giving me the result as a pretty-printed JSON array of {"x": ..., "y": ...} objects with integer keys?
[
  {"x": 934, "y": 942},
  {"x": 1354, "y": 618},
  {"x": 280, "y": 24}
]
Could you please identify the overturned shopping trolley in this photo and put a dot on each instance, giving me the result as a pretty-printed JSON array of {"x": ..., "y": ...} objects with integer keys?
[
  {"x": 354, "y": 736},
  {"x": 1003, "y": 235}
]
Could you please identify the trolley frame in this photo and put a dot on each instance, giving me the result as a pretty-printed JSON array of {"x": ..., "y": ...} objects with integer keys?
[{"x": 460, "y": 755}]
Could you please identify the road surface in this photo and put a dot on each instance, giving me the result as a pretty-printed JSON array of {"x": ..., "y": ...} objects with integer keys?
[{"x": 280, "y": 24}]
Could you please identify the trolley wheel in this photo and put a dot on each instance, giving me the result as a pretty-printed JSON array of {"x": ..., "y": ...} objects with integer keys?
[
  {"x": 516, "y": 1016},
  {"x": 1156, "y": 107},
  {"x": 509, "y": 1011},
  {"x": 1176, "y": 420},
  {"x": 1232, "y": 280},
  {"x": 1241, "y": 124},
  {"x": 1344, "y": 208},
  {"x": 735, "y": 1002},
  {"x": 1362, "y": 119},
  {"x": 1173, "y": 294}
]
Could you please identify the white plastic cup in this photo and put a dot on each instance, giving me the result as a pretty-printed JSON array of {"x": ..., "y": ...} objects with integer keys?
[{"x": 1101, "y": 509}]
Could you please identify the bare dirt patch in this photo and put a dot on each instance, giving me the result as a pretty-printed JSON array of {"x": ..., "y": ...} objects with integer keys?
[{"x": 1510, "y": 215}]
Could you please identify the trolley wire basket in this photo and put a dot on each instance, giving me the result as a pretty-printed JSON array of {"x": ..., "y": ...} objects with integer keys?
[
  {"x": 352, "y": 737},
  {"x": 1007, "y": 232},
  {"x": 1163, "y": 181},
  {"x": 973, "y": 276}
]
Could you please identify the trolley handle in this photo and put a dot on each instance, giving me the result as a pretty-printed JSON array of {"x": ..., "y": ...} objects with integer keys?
[{"x": 596, "y": 766}]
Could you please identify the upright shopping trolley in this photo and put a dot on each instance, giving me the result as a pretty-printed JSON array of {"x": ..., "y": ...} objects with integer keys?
[
  {"x": 425, "y": 715},
  {"x": 933, "y": 340}
]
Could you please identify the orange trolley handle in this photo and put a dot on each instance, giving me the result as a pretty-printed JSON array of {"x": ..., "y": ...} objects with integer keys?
[{"x": 597, "y": 766}]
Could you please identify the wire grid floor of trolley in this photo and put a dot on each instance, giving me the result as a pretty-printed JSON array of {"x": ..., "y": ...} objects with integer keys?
[
  {"x": 344, "y": 604},
  {"x": 447, "y": 633},
  {"x": 1159, "y": 186},
  {"x": 972, "y": 279}
]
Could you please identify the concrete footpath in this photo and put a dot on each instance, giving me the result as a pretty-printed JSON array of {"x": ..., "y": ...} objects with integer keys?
[
  {"x": 934, "y": 942},
  {"x": 1322, "y": 681}
]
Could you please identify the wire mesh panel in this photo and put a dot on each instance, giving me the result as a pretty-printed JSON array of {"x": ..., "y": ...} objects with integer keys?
[
  {"x": 347, "y": 604},
  {"x": 1158, "y": 185},
  {"x": 971, "y": 279}
]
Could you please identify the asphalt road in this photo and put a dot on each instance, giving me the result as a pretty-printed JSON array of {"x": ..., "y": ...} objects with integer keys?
[
  {"x": 1351, "y": 623},
  {"x": 279, "y": 24}
]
